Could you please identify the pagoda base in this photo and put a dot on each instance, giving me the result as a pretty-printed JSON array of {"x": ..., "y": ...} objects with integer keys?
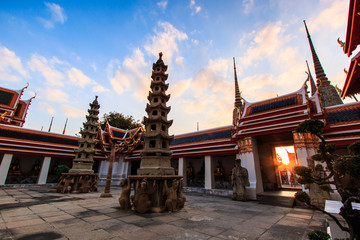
[
  {"x": 156, "y": 171},
  {"x": 156, "y": 193},
  {"x": 77, "y": 183}
]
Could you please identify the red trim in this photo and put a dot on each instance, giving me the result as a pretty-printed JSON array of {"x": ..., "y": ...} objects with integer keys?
[
  {"x": 352, "y": 82},
  {"x": 353, "y": 26}
]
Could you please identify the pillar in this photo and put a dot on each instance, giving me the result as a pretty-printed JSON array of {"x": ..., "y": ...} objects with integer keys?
[
  {"x": 248, "y": 153},
  {"x": 182, "y": 170},
  {"x": 4, "y": 168},
  {"x": 209, "y": 173},
  {"x": 44, "y": 170}
]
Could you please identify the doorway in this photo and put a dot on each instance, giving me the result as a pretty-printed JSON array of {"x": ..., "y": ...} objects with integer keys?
[{"x": 285, "y": 161}]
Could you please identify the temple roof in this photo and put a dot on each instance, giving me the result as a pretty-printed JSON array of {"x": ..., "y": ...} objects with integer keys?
[
  {"x": 353, "y": 26},
  {"x": 352, "y": 82}
]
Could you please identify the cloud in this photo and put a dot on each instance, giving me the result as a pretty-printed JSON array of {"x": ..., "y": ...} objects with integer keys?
[
  {"x": 98, "y": 88},
  {"x": 74, "y": 112},
  {"x": 11, "y": 68},
  {"x": 78, "y": 78},
  {"x": 57, "y": 15},
  {"x": 178, "y": 88},
  {"x": 165, "y": 41},
  {"x": 266, "y": 42},
  {"x": 333, "y": 17},
  {"x": 162, "y": 4},
  {"x": 248, "y": 5},
  {"x": 131, "y": 73},
  {"x": 195, "y": 8},
  {"x": 45, "y": 106},
  {"x": 47, "y": 69},
  {"x": 54, "y": 95}
]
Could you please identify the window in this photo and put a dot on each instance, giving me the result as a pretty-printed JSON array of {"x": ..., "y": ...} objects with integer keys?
[
  {"x": 164, "y": 144},
  {"x": 153, "y": 127},
  {"x": 162, "y": 113},
  {"x": 156, "y": 99},
  {"x": 152, "y": 144},
  {"x": 163, "y": 128},
  {"x": 154, "y": 113}
]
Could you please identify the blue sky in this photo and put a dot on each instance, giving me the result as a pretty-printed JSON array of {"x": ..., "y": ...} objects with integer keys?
[{"x": 70, "y": 51}]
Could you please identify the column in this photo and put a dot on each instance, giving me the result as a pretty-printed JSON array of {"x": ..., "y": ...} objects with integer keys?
[
  {"x": 4, "y": 167},
  {"x": 44, "y": 170},
  {"x": 209, "y": 173},
  {"x": 248, "y": 153},
  {"x": 182, "y": 170}
]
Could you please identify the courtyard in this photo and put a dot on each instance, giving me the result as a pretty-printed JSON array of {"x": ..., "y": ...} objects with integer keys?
[{"x": 38, "y": 212}]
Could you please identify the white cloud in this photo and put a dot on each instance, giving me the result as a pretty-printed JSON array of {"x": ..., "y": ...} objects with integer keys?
[
  {"x": 98, "y": 88},
  {"x": 195, "y": 8},
  {"x": 54, "y": 95},
  {"x": 177, "y": 89},
  {"x": 130, "y": 74},
  {"x": 266, "y": 42},
  {"x": 333, "y": 17},
  {"x": 162, "y": 4},
  {"x": 74, "y": 112},
  {"x": 57, "y": 15},
  {"x": 93, "y": 66},
  {"x": 11, "y": 68},
  {"x": 46, "y": 106},
  {"x": 47, "y": 69},
  {"x": 165, "y": 41},
  {"x": 248, "y": 5},
  {"x": 78, "y": 78}
]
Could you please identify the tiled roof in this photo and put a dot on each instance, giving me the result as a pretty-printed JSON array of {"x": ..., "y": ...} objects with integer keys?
[
  {"x": 202, "y": 137},
  {"x": 34, "y": 136},
  {"x": 346, "y": 115},
  {"x": 274, "y": 105}
]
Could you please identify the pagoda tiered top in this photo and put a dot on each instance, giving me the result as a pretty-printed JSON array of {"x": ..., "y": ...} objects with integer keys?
[{"x": 156, "y": 155}]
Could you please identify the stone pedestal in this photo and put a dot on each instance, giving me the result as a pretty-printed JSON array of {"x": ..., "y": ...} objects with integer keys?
[
  {"x": 77, "y": 183},
  {"x": 155, "y": 190}
]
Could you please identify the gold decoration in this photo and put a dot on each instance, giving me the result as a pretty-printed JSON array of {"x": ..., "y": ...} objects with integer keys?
[
  {"x": 345, "y": 71},
  {"x": 342, "y": 44}
]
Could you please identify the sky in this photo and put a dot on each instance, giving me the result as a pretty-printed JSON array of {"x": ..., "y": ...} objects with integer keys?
[{"x": 71, "y": 51}]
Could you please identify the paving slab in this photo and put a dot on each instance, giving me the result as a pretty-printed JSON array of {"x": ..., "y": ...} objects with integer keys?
[{"x": 41, "y": 213}]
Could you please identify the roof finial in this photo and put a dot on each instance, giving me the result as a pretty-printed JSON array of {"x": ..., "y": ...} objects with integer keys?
[
  {"x": 238, "y": 102},
  {"x": 312, "y": 83},
  {"x": 319, "y": 71},
  {"x": 160, "y": 55}
]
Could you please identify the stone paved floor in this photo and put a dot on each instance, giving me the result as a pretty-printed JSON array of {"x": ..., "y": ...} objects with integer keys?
[{"x": 40, "y": 213}]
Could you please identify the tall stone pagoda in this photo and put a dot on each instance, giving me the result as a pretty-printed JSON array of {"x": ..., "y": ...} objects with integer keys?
[
  {"x": 156, "y": 187},
  {"x": 81, "y": 177},
  {"x": 83, "y": 161},
  {"x": 156, "y": 155}
]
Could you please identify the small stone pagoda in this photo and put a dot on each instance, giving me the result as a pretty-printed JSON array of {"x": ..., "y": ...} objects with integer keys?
[
  {"x": 156, "y": 187},
  {"x": 81, "y": 177}
]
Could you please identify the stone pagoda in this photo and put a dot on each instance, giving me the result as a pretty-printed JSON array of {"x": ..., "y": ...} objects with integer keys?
[
  {"x": 156, "y": 155},
  {"x": 156, "y": 187},
  {"x": 81, "y": 177}
]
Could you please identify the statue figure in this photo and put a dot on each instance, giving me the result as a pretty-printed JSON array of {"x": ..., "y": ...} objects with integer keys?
[
  {"x": 84, "y": 182},
  {"x": 94, "y": 183},
  {"x": 64, "y": 185},
  {"x": 171, "y": 195},
  {"x": 239, "y": 179},
  {"x": 124, "y": 199},
  {"x": 141, "y": 201},
  {"x": 181, "y": 199}
]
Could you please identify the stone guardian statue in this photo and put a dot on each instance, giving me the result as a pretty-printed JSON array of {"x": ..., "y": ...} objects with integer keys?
[{"x": 239, "y": 179}]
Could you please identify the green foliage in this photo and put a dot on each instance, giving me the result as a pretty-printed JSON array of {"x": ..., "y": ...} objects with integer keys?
[
  {"x": 62, "y": 169},
  {"x": 348, "y": 165},
  {"x": 304, "y": 173},
  {"x": 318, "y": 235},
  {"x": 312, "y": 126},
  {"x": 119, "y": 120},
  {"x": 354, "y": 148},
  {"x": 302, "y": 197}
]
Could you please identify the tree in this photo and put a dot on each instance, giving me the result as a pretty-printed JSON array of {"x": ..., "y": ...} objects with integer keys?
[
  {"x": 341, "y": 171},
  {"x": 118, "y": 120}
]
